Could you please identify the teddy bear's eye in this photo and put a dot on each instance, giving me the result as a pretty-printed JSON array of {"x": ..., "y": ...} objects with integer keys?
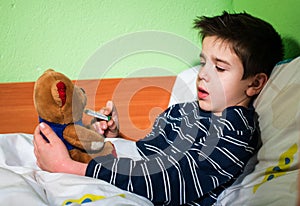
[{"x": 82, "y": 90}]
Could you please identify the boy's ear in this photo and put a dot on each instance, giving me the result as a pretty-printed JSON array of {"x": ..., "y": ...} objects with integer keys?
[{"x": 257, "y": 84}]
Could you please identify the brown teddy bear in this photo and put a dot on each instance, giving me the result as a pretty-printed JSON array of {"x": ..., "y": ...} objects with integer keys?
[{"x": 60, "y": 104}]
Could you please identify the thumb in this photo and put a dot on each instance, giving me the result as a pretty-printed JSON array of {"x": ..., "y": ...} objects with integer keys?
[
  {"x": 48, "y": 132},
  {"x": 110, "y": 105},
  {"x": 114, "y": 112}
]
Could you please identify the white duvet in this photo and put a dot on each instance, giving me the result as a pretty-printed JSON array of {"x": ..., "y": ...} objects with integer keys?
[{"x": 23, "y": 183}]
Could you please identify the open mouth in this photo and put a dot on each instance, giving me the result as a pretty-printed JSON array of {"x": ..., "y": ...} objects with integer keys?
[{"x": 202, "y": 93}]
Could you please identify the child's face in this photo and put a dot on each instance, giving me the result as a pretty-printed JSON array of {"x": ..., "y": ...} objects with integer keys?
[{"x": 219, "y": 82}]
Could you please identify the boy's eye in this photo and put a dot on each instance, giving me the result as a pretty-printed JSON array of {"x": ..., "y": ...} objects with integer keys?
[
  {"x": 220, "y": 69},
  {"x": 202, "y": 63}
]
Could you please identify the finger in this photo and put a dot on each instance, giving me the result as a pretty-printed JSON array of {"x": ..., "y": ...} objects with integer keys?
[
  {"x": 36, "y": 132},
  {"x": 103, "y": 125},
  {"x": 97, "y": 127},
  {"x": 107, "y": 110},
  {"x": 114, "y": 115},
  {"x": 37, "y": 141},
  {"x": 104, "y": 110},
  {"x": 111, "y": 124},
  {"x": 37, "y": 137},
  {"x": 48, "y": 132},
  {"x": 110, "y": 105}
]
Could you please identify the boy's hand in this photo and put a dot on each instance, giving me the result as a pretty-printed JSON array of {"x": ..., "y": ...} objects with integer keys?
[
  {"x": 108, "y": 128},
  {"x": 53, "y": 156}
]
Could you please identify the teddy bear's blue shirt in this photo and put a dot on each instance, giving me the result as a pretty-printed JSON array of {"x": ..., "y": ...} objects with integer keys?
[{"x": 59, "y": 129}]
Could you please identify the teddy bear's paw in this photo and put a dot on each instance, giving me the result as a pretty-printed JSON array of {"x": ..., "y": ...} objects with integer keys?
[{"x": 95, "y": 146}]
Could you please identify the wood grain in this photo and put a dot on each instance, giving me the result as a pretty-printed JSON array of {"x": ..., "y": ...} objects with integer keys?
[{"x": 138, "y": 100}]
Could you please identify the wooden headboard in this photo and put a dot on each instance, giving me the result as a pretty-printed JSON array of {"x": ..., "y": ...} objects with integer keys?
[{"x": 138, "y": 100}]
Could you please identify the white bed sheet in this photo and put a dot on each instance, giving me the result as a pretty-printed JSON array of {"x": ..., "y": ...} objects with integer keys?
[{"x": 23, "y": 183}]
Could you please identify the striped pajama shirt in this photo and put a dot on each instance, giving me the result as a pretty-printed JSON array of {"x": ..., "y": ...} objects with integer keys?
[{"x": 189, "y": 157}]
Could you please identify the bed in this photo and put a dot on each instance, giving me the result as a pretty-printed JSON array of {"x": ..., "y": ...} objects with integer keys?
[{"x": 270, "y": 178}]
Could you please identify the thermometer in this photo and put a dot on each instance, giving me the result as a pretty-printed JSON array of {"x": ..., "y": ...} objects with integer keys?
[{"x": 97, "y": 115}]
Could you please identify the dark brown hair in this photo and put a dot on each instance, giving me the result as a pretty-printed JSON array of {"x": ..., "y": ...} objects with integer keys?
[{"x": 254, "y": 41}]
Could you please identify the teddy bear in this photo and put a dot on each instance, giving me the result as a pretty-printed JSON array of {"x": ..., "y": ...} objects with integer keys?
[{"x": 60, "y": 104}]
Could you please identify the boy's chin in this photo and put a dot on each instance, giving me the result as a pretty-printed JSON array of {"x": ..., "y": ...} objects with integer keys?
[
  {"x": 208, "y": 107},
  {"x": 205, "y": 106}
]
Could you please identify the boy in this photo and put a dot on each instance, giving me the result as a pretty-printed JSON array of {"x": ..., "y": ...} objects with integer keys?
[{"x": 195, "y": 149}]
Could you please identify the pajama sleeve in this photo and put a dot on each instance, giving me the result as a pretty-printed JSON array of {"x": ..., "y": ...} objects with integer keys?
[{"x": 191, "y": 168}]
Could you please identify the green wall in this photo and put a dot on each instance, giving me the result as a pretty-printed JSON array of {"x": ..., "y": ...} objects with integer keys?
[
  {"x": 283, "y": 15},
  {"x": 117, "y": 38}
]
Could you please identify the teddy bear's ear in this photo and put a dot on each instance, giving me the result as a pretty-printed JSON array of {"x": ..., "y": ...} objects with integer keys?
[{"x": 58, "y": 91}]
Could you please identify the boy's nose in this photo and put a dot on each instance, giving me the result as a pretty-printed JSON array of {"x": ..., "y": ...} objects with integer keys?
[{"x": 202, "y": 74}]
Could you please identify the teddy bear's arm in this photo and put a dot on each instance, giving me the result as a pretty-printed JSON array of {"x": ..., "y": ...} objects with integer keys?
[
  {"x": 80, "y": 156},
  {"x": 83, "y": 138}
]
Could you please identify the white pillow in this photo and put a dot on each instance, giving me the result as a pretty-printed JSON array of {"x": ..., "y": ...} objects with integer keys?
[
  {"x": 274, "y": 179},
  {"x": 184, "y": 89}
]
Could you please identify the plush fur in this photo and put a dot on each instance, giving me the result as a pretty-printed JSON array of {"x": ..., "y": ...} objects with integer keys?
[{"x": 60, "y": 104}]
